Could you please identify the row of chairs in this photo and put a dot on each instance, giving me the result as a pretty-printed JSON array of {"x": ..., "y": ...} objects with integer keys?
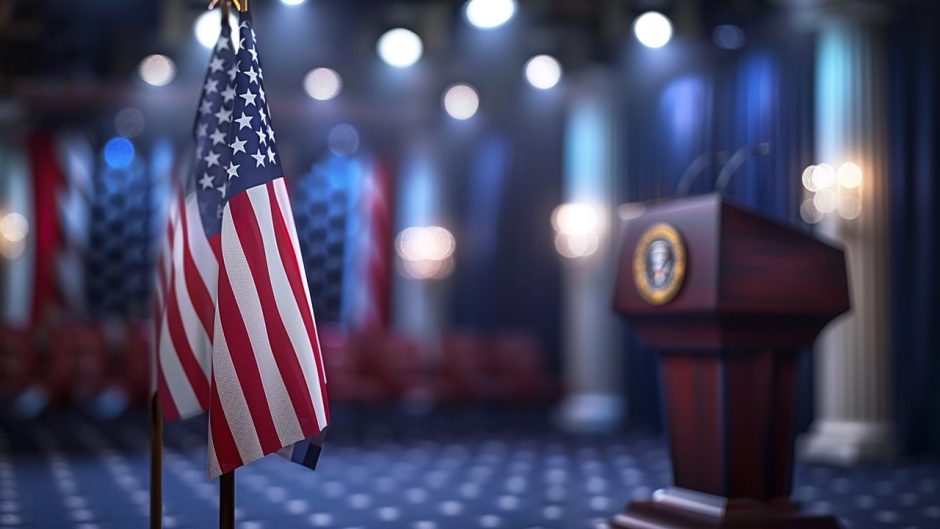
[
  {"x": 462, "y": 368},
  {"x": 81, "y": 361}
]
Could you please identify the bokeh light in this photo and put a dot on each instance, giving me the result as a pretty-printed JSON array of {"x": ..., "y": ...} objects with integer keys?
[
  {"x": 577, "y": 229},
  {"x": 823, "y": 177},
  {"x": 129, "y": 122},
  {"x": 849, "y": 175},
  {"x": 323, "y": 84},
  {"x": 807, "y": 179},
  {"x": 157, "y": 70},
  {"x": 487, "y": 14},
  {"x": 461, "y": 101},
  {"x": 14, "y": 227},
  {"x": 653, "y": 29},
  {"x": 208, "y": 27},
  {"x": 543, "y": 71},
  {"x": 119, "y": 153},
  {"x": 400, "y": 47},
  {"x": 343, "y": 140},
  {"x": 426, "y": 252},
  {"x": 826, "y": 200},
  {"x": 728, "y": 37},
  {"x": 292, "y": 2}
]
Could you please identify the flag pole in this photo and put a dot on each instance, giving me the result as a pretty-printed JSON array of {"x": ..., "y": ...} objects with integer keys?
[{"x": 156, "y": 464}]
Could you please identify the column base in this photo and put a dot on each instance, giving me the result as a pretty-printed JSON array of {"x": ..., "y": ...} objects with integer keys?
[
  {"x": 590, "y": 412},
  {"x": 677, "y": 508},
  {"x": 847, "y": 443}
]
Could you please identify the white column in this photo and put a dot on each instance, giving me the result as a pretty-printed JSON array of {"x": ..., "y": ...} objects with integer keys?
[
  {"x": 591, "y": 365},
  {"x": 853, "y": 357}
]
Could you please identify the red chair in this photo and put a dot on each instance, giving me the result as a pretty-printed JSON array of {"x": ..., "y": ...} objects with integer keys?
[
  {"x": 517, "y": 360},
  {"x": 345, "y": 380},
  {"x": 466, "y": 376}
]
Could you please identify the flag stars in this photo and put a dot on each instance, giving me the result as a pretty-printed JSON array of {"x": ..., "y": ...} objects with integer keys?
[
  {"x": 261, "y": 92},
  {"x": 212, "y": 158},
  {"x": 252, "y": 75},
  {"x": 270, "y": 134},
  {"x": 202, "y": 130},
  {"x": 270, "y": 154},
  {"x": 232, "y": 72},
  {"x": 264, "y": 115},
  {"x": 232, "y": 171},
  {"x": 222, "y": 44},
  {"x": 262, "y": 136},
  {"x": 259, "y": 158},
  {"x": 254, "y": 53},
  {"x": 205, "y": 181},
  {"x": 249, "y": 97},
  {"x": 228, "y": 94},
  {"x": 217, "y": 137},
  {"x": 212, "y": 86},
  {"x": 244, "y": 121},
  {"x": 216, "y": 65},
  {"x": 238, "y": 146},
  {"x": 205, "y": 107},
  {"x": 223, "y": 115}
]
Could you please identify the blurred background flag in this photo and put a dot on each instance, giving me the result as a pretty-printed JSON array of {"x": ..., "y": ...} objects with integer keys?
[{"x": 268, "y": 389}]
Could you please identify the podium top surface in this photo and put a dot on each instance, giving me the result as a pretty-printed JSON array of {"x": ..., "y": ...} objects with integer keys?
[{"x": 709, "y": 264}]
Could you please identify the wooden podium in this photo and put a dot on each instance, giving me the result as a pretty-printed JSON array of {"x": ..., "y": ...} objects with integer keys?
[{"x": 730, "y": 298}]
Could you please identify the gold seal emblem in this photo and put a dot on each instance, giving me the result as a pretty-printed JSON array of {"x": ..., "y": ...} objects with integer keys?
[{"x": 659, "y": 264}]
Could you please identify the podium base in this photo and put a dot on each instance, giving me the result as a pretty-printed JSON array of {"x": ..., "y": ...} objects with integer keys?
[{"x": 676, "y": 508}]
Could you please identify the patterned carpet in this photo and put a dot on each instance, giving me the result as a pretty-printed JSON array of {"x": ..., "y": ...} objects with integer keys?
[{"x": 463, "y": 469}]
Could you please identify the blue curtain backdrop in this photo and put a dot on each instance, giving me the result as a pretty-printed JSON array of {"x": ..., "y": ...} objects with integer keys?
[
  {"x": 915, "y": 189},
  {"x": 720, "y": 101}
]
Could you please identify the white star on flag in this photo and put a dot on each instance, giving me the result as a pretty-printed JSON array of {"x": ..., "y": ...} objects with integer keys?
[
  {"x": 223, "y": 115},
  {"x": 205, "y": 181},
  {"x": 217, "y": 137},
  {"x": 262, "y": 137},
  {"x": 259, "y": 158},
  {"x": 244, "y": 121},
  {"x": 212, "y": 158},
  {"x": 270, "y": 154},
  {"x": 202, "y": 130},
  {"x": 252, "y": 75},
  {"x": 238, "y": 146},
  {"x": 205, "y": 107},
  {"x": 232, "y": 171},
  {"x": 228, "y": 94},
  {"x": 212, "y": 86},
  {"x": 216, "y": 64},
  {"x": 249, "y": 97}
]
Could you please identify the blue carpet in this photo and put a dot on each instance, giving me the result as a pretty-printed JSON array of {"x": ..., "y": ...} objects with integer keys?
[{"x": 446, "y": 471}]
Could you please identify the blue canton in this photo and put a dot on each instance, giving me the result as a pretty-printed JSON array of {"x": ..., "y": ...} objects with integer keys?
[
  {"x": 211, "y": 132},
  {"x": 254, "y": 157}
]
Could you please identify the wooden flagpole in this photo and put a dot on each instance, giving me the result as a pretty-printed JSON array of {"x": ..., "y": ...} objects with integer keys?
[{"x": 156, "y": 464}]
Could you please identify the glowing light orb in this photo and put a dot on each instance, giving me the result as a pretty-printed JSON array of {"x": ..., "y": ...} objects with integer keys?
[
  {"x": 461, "y": 101},
  {"x": 849, "y": 175},
  {"x": 119, "y": 153},
  {"x": 543, "y": 71},
  {"x": 400, "y": 47},
  {"x": 488, "y": 14},
  {"x": 652, "y": 29},
  {"x": 323, "y": 84},
  {"x": 157, "y": 70}
]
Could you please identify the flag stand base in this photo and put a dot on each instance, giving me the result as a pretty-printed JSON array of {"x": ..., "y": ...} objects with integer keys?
[{"x": 227, "y": 501}]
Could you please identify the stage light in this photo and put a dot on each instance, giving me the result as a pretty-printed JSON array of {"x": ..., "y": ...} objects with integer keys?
[
  {"x": 400, "y": 47},
  {"x": 849, "y": 206},
  {"x": 292, "y": 2},
  {"x": 119, "y": 153},
  {"x": 129, "y": 122},
  {"x": 543, "y": 71},
  {"x": 849, "y": 175},
  {"x": 14, "y": 227},
  {"x": 487, "y": 14},
  {"x": 728, "y": 37},
  {"x": 577, "y": 229},
  {"x": 823, "y": 177},
  {"x": 826, "y": 200},
  {"x": 208, "y": 27},
  {"x": 426, "y": 252},
  {"x": 343, "y": 140},
  {"x": 809, "y": 213},
  {"x": 461, "y": 101},
  {"x": 652, "y": 29},
  {"x": 808, "y": 179},
  {"x": 157, "y": 70},
  {"x": 323, "y": 84}
]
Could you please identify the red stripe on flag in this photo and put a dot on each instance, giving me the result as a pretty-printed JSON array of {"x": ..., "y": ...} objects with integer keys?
[
  {"x": 194, "y": 373},
  {"x": 239, "y": 345},
  {"x": 226, "y": 451},
  {"x": 249, "y": 233},
  {"x": 198, "y": 293},
  {"x": 292, "y": 268}
]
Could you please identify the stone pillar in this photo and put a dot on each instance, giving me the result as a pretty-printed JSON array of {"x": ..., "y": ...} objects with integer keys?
[
  {"x": 853, "y": 360},
  {"x": 591, "y": 366}
]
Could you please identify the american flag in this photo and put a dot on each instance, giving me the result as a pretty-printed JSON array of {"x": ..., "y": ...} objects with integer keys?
[{"x": 238, "y": 337}]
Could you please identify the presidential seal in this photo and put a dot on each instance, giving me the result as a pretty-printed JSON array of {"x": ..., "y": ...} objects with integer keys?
[{"x": 659, "y": 264}]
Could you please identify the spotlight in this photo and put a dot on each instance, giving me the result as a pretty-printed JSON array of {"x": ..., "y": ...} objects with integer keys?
[
  {"x": 129, "y": 122},
  {"x": 461, "y": 101},
  {"x": 728, "y": 37},
  {"x": 119, "y": 153},
  {"x": 652, "y": 29},
  {"x": 426, "y": 252},
  {"x": 157, "y": 70},
  {"x": 400, "y": 47},
  {"x": 488, "y": 14},
  {"x": 543, "y": 71},
  {"x": 14, "y": 227},
  {"x": 292, "y": 2},
  {"x": 208, "y": 27},
  {"x": 323, "y": 84},
  {"x": 577, "y": 229},
  {"x": 823, "y": 177}
]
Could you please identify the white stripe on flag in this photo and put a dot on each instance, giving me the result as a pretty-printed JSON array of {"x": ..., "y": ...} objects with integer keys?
[
  {"x": 195, "y": 333},
  {"x": 286, "y": 302},
  {"x": 177, "y": 383},
  {"x": 253, "y": 315},
  {"x": 199, "y": 248}
]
